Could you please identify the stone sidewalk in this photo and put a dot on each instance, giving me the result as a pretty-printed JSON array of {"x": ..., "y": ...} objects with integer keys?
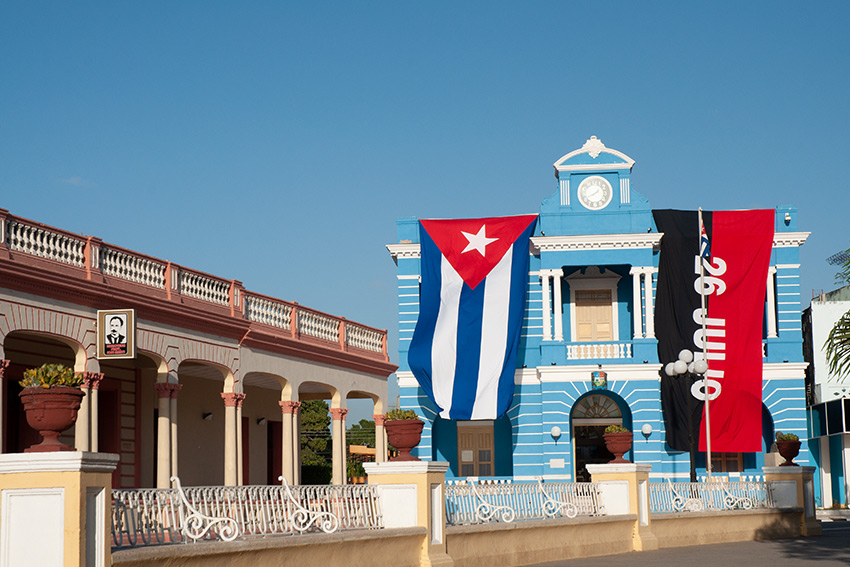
[{"x": 832, "y": 549}]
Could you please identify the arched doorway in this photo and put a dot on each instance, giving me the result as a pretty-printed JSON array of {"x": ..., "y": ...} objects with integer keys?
[{"x": 590, "y": 416}]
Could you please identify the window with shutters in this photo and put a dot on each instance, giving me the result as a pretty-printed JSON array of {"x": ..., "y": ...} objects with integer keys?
[
  {"x": 594, "y": 315},
  {"x": 593, "y": 305}
]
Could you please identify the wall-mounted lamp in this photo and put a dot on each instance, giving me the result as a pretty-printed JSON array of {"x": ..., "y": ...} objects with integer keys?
[
  {"x": 646, "y": 429},
  {"x": 787, "y": 218},
  {"x": 555, "y": 432},
  {"x": 207, "y": 416},
  {"x": 261, "y": 421}
]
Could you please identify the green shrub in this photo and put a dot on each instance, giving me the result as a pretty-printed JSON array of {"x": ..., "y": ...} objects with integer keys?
[
  {"x": 49, "y": 375},
  {"x": 616, "y": 429},
  {"x": 786, "y": 436},
  {"x": 402, "y": 414}
]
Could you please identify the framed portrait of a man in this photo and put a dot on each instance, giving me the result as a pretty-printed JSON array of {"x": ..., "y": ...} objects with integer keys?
[{"x": 116, "y": 333}]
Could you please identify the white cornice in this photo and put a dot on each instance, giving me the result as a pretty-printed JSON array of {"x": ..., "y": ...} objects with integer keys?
[
  {"x": 594, "y": 242},
  {"x": 406, "y": 379},
  {"x": 600, "y": 242},
  {"x": 581, "y": 373},
  {"x": 404, "y": 250},
  {"x": 789, "y": 239}
]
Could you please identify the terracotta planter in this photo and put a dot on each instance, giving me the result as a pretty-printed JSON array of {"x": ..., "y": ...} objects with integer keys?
[
  {"x": 50, "y": 411},
  {"x": 404, "y": 435},
  {"x": 618, "y": 444},
  {"x": 788, "y": 450}
]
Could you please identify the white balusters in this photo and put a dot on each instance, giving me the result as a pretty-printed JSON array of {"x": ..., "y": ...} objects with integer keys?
[
  {"x": 318, "y": 325},
  {"x": 586, "y": 351},
  {"x": 269, "y": 312},
  {"x": 205, "y": 288},
  {"x": 46, "y": 244},
  {"x": 133, "y": 268},
  {"x": 361, "y": 337}
]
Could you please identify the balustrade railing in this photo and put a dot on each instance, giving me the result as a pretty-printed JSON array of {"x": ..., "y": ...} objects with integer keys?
[
  {"x": 268, "y": 311},
  {"x": 205, "y": 288},
  {"x": 319, "y": 325},
  {"x": 364, "y": 338},
  {"x": 665, "y": 497},
  {"x": 131, "y": 267},
  {"x": 587, "y": 351},
  {"x": 475, "y": 503},
  {"x": 95, "y": 256},
  {"x": 45, "y": 243},
  {"x": 157, "y": 516}
]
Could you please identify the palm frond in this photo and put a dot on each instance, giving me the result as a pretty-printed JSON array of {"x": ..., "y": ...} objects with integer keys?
[{"x": 837, "y": 346}]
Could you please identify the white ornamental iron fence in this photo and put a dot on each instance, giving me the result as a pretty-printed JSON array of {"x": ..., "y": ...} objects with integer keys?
[
  {"x": 471, "y": 502},
  {"x": 172, "y": 515},
  {"x": 667, "y": 497}
]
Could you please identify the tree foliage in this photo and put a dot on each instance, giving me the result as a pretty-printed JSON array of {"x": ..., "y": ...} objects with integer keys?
[
  {"x": 315, "y": 433},
  {"x": 837, "y": 346},
  {"x": 361, "y": 433}
]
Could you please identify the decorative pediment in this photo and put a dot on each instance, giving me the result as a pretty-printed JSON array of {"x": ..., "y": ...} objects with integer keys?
[{"x": 592, "y": 156}]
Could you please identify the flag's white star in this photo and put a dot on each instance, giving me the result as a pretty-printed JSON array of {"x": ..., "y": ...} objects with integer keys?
[{"x": 477, "y": 241}]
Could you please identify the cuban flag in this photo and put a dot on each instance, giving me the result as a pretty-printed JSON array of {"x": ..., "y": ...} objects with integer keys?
[
  {"x": 704, "y": 248},
  {"x": 474, "y": 280}
]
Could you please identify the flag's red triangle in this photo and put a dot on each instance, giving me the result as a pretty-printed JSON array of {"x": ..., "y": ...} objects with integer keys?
[{"x": 462, "y": 240}]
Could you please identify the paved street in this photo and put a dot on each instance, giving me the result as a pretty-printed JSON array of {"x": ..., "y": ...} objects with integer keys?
[{"x": 831, "y": 549}]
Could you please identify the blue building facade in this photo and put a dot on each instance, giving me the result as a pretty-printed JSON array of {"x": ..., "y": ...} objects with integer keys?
[{"x": 590, "y": 309}]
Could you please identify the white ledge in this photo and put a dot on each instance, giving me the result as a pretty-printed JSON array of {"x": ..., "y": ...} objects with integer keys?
[
  {"x": 60, "y": 461},
  {"x": 595, "y": 242},
  {"x": 406, "y": 467}
]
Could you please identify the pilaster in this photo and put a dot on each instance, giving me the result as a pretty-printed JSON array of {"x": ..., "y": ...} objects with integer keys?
[
  {"x": 624, "y": 489},
  {"x": 414, "y": 493},
  {"x": 793, "y": 487}
]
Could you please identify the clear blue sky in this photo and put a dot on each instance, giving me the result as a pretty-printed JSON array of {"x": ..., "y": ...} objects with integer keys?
[{"x": 277, "y": 143}]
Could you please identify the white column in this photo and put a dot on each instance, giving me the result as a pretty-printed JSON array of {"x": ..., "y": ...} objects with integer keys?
[
  {"x": 286, "y": 443},
  {"x": 825, "y": 473},
  {"x": 240, "y": 479},
  {"x": 163, "y": 435},
  {"x": 82, "y": 425},
  {"x": 559, "y": 306},
  {"x": 231, "y": 471},
  {"x": 173, "y": 410},
  {"x": 649, "y": 313},
  {"x": 95, "y": 416},
  {"x": 339, "y": 452},
  {"x": 380, "y": 438},
  {"x": 636, "y": 304},
  {"x": 771, "y": 302},
  {"x": 845, "y": 457},
  {"x": 547, "y": 319}
]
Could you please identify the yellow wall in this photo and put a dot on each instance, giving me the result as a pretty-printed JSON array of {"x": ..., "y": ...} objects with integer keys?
[
  {"x": 74, "y": 485},
  {"x": 537, "y": 541},
  {"x": 680, "y": 530},
  {"x": 386, "y": 548}
]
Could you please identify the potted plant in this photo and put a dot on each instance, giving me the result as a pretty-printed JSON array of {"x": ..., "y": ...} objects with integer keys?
[
  {"x": 788, "y": 446},
  {"x": 404, "y": 430},
  {"x": 51, "y": 396},
  {"x": 618, "y": 440}
]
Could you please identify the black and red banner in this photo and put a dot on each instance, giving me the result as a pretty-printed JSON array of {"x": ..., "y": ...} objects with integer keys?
[{"x": 734, "y": 286}]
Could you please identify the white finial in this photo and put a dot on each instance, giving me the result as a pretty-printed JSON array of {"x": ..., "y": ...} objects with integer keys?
[{"x": 594, "y": 147}]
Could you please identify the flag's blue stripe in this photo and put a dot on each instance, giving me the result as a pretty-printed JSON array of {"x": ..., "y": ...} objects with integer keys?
[
  {"x": 519, "y": 273},
  {"x": 419, "y": 354},
  {"x": 470, "y": 318}
]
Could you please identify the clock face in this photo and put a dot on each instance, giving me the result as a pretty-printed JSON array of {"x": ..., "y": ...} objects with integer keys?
[{"x": 595, "y": 192}]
